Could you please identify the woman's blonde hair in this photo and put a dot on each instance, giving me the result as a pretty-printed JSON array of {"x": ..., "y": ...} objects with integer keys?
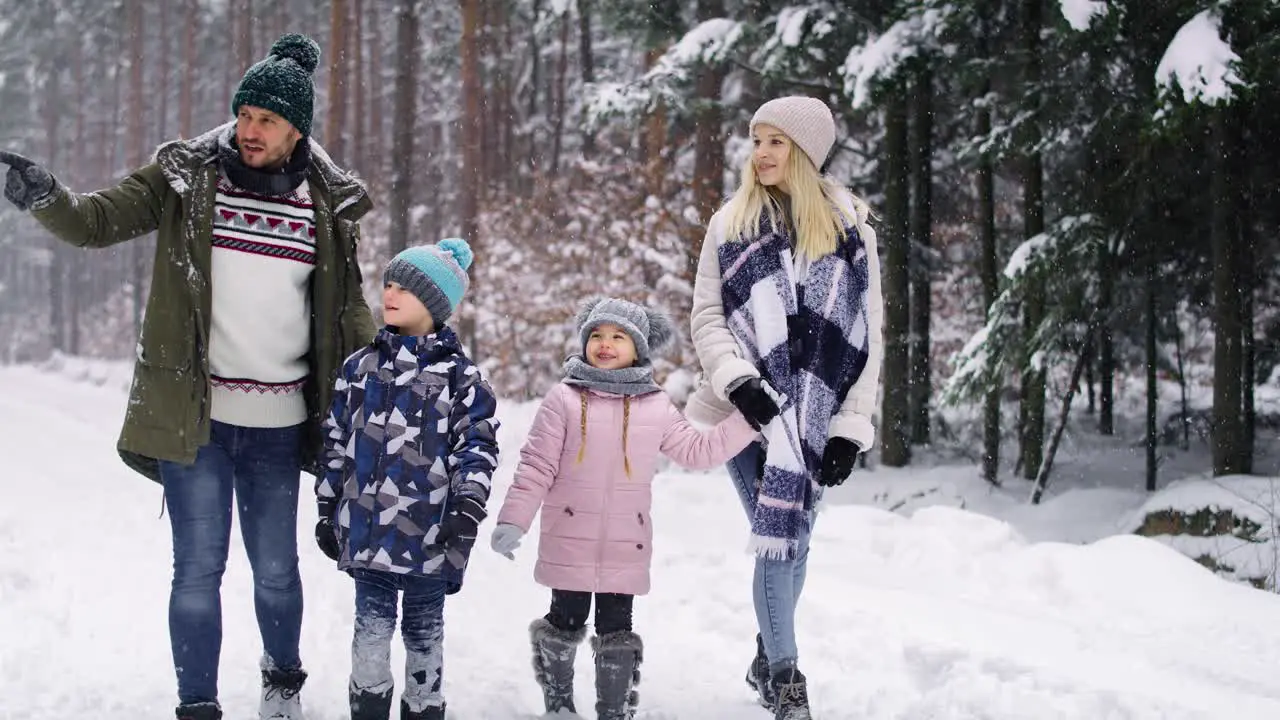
[{"x": 818, "y": 214}]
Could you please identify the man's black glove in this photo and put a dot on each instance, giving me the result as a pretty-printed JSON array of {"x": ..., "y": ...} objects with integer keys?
[
  {"x": 754, "y": 403},
  {"x": 837, "y": 461},
  {"x": 26, "y": 182},
  {"x": 459, "y": 524},
  {"x": 327, "y": 539}
]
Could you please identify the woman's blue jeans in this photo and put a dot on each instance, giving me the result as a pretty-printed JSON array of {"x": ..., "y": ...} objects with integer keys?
[{"x": 777, "y": 584}]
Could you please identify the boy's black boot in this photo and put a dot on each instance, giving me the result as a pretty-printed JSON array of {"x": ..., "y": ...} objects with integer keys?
[
  {"x": 366, "y": 705},
  {"x": 758, "y": 676},
  {"x": 199, "y": 711},
  {"x": 431, "y": 712},
  {"x": 618, "y": 658},
  {"x": 792, "y": 695},
  {"x": 554, "y": 651}
]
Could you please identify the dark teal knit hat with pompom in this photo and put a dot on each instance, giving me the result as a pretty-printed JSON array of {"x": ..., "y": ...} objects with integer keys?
[{"x": 282, "y": 81}]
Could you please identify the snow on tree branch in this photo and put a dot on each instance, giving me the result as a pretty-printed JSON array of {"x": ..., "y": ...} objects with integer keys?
[
  {"x": 880, "y": 57},
  {"x": 1199, "y": 62},
  {"x": 1080, "y": 13},
  {"x": 711, "y": 41}
]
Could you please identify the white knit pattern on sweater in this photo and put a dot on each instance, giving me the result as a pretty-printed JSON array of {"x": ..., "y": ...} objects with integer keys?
[{"x": 263, "y": 256}]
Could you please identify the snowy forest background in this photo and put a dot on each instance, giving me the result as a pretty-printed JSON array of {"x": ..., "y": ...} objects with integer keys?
[{"x": 1077, "y": 199}]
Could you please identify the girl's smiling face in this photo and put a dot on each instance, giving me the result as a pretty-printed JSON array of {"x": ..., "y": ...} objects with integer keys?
[{"x": 609, "y": 347}]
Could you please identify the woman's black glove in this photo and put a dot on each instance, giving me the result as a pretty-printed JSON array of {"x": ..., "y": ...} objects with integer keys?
[
  {"x": 837, "y": 461},
  {"x": 327, "y": 539},
  {"x": 754, "y": 403}
]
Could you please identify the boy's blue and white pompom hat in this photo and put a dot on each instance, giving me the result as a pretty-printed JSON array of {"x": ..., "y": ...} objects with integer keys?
[{"x": 435, "y": 274}]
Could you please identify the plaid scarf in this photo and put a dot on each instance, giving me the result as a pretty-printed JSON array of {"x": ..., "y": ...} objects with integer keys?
[{"x": 809, "y": 341}]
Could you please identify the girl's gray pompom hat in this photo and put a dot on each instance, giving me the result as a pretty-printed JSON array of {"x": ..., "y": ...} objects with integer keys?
[{"x": 649, "y": 329}]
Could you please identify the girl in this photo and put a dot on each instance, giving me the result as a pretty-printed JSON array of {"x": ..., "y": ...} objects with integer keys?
[
  {"x": 787, "y": 299},
  {"x": 588, "y": 463}
]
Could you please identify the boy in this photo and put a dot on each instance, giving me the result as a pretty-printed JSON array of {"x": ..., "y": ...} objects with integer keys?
[{"x": 411, "y": 447}]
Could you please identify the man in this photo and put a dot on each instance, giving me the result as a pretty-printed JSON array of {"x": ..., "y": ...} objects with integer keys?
[{"x": 255, "y": 302}]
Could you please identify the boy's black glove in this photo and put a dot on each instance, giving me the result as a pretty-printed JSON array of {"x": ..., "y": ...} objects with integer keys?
[
  {"x": 837, "y": 461},
  {"x": 754, "y": 403},
  {"x": 26, "y": 182},
  {"x": 327, "y": 539},
  {"x": 461, "y": 522}
]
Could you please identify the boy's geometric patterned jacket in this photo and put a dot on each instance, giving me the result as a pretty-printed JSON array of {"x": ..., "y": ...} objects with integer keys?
[{"x": 410, "y": 431}]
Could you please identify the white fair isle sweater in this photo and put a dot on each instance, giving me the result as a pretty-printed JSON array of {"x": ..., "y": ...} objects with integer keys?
[{"x": 263, "y": 255}]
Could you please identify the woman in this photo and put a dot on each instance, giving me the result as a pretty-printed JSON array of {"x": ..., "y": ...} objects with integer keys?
[{"x": 786, "y": 322}]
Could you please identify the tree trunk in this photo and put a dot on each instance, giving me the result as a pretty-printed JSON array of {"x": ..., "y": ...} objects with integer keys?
[
  {"x": 1153, "y": 386},
  {"x": 896, "y": 447},
  {"x": 1248, "y": 281},
  {"x": 137, "y": 112},
  {"x": 57, "y": 272},
  {"x": 586, "y": 61},
  {"x": 1228, "y": 356},
  {"x": 921, "y": 231},
  {"x": 189, "y": 65},
  {"x": 403, "y": 128},
  {"x": 1033, "y": 377},
  {"x": 337, "y": 96},
  {"x": 472, "y": 126},
  {"x": 1042, "y": 472},
  {"x": 1106, "y": 340},
  {"x": 708, "y": 162},
  {"x": 377, "y": 99},
  {"x": 989, "y": 264},
  {"x": 655, "y": 133},
  {"x": 562, "y": 70},
  {"x": 535, "y": 83},
  {"x": 359, "y": 156}
]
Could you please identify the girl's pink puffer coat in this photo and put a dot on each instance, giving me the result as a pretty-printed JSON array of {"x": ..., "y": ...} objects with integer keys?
[{"x": 596, "y": 532}]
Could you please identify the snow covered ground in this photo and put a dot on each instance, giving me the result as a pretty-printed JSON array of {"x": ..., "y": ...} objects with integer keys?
[{"x": 999, "y": 611}]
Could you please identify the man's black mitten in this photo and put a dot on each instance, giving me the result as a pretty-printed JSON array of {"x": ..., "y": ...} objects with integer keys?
[
  {"x": 461, "y": 522},
  {"x": 837, "y": 461},
  {"x": 26, "y": 182},
  {"x": 754, "y": 403}
]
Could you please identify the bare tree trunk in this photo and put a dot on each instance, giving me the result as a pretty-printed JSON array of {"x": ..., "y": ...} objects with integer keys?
[
  {"x": 242, "y": 37},
  {"x": 1033, "y": 377},
  {"x": 137, "y": 111},
  {"x": 1153, "y": 387},
  {"x": 1248, "y": 281},
  {"x": 989, "y": 264},
  {"x": 896, "y": 446},
  {"x": 57, "y": 273},
  {"x": 403, "y": 127},
  {"x": 921, "y": 230},
  {"x": 189, "y": 50},
  {"x": 359, "y": 135},
  {"x": 535, "y": 82},
  {"x": 1106, "y": 340},
  {"x": 1042, "y": 472},
  {"x": 337, "y": 99},
  {"x": 562, "y": 70},
  {"x": 655, "y": 136},
  {"x": 586, "y": 60},
  {"x": 472, "y": 127},
  {"x": 376, "y": 97},
  {"x": 1228, "y": 353}
]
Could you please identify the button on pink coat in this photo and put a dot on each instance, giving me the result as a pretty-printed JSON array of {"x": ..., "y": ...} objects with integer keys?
[{"x": 596, "y": 532}]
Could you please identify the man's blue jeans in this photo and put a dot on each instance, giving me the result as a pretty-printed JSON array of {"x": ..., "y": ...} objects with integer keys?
[
  {"x": 422, "y": 628},
  {"x": 260, "y": 467},
  {"x": 777, "y": 584}
]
